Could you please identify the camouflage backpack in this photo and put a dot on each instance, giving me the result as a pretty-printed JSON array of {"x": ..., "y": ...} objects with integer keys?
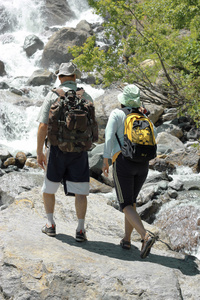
[{"x": 72, "y": 125}]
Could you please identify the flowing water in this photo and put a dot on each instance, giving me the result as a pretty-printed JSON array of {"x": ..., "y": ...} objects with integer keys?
[{"x": 18, "y": 126}]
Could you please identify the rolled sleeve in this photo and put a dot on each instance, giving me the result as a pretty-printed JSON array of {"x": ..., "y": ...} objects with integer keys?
[
  {"x": 87, "y": 97},
  {"x": 43, "y": 116}
]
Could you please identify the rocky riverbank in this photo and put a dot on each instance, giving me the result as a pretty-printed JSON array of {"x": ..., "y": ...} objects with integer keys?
[
  {"x": 177, "y": 146},
  {"x": 35, "y": 266}
]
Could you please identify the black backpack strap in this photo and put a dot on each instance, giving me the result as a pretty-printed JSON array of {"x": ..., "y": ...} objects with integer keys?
[
  {"x": 118, "y": 139},
  {"x": 128, "y": 111}
]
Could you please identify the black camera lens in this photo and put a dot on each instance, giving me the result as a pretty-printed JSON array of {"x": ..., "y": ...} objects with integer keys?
[{"x": 70, "y": 94}]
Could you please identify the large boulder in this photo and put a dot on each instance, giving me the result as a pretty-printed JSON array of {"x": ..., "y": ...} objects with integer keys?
[
  {"x": 105, "y": 103},
  {"x": 171, "y": 129},
  {"x": 41, "y": 77},
  {"x": 56, "y": 50},
  {"x": 181, "y": 223},
  {"x": 2, "y": 68},
  {"x": 31, "y": 44},
  {"x": 190, "y": 156},
  {"x": 156, "y": 112},
  {"x": 168, "y": 143},
  {"x": 84, "y": 25},
  {"x": 57, "y": 12}
]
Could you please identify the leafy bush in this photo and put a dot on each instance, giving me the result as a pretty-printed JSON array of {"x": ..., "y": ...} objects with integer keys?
[{"x": 167, "y": 32}]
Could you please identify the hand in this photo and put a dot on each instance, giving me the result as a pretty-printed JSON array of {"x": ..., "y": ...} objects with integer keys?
[
  {"x": 144, "y": 111},
  {"x": 41, "y": 159},
  {"x": 105, "y": 167}
]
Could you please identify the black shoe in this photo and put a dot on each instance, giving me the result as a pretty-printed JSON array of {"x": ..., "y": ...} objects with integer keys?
[
  {"x": 147, "y": 243},
  {"x": 81, "y": 236},
  {"x": 125, "y": 244},
  {"x": 51, "y": 231}
]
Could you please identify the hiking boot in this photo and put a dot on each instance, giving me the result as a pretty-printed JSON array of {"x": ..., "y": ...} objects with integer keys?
[
  {"x": 81, "y": 236},
  {"x": 147, "y": 243},
  {"x": 51, "y": 231}
]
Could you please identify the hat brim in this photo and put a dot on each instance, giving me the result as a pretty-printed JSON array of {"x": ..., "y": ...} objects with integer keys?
[
  {"x": 77, "y": 73},
  {"x": 121, "y": 98},
  {"x": 135, "y": 103}
]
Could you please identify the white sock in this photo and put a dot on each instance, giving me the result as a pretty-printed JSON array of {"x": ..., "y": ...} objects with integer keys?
[
  {"x": 50, "y": 220},
  {"x": 80, "y": 225}
]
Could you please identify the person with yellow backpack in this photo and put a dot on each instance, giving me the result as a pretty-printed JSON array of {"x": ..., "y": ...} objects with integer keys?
[{"x": 130, "y": 142}]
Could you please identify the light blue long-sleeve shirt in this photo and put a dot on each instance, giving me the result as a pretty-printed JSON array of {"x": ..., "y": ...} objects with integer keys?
[{"x": 115, "y": 125}]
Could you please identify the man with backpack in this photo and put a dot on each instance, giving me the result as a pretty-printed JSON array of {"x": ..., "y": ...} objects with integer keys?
[
  {"x": 71, "y": 166},
  {"x": 130, "y": 142}
]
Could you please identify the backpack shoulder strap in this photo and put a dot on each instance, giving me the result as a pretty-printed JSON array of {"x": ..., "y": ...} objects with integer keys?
[
  {"x": 128, "y": 111},
  {"x": 118, "y": 140}
]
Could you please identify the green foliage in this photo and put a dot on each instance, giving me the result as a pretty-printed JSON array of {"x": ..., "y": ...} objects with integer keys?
[{"x": 167, "y": 32}]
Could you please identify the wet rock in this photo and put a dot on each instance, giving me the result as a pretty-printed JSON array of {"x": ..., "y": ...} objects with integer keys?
[
  {"x": 185, "y": 157},
  {"x": 11, "y": 168},
  {"x": 84, "y": 25},
  {"x": 57, "y": 12},
  {"x": 146, "y": 194},
  {"x": 148, "y": 211},
  {"x": 20, "y": 159},
  {"x": 41, "y": 77},
  {"x": 176, "y": 184},
  {"x": 16, "y": 91},
  {"x": 2, "y": 172},
  {"x": 9, "y": 161},
  {"x": 2, "y": 68},
  {"x": 95, "y": 164},
  {"x": 173, "y": 194},
  {"x": 167, "y": 143},
  {"x": 32, "y": 163},
  {"x": 56, "y": 50},
  {"x": 193, "y": 134},
  {"x": 153, "y": 178},
  {"x": 98, "y": 187},
  {"x": 171, "y": 129},
  {"x": 14, "y": 183},
  {"x": 162, "y": 165},
  {"x": 4, "y": 86},
  {"x": 169, "y": 116},
  {"x": 32, "y": 43},
  {"x": 180, "y": 222},
  {"x": 4, "y": 154}
]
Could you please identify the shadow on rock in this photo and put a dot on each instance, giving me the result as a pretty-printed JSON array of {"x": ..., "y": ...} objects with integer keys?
[{"x": 187, "y": 266}]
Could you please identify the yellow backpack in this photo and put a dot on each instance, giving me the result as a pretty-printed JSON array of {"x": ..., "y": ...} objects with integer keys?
[{"x": 139, "y": 139}]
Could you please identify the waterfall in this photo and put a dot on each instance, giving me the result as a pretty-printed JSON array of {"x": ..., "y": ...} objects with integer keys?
[
  {"x": 18, "y": 126},
  {"x": 25, "y": 15}
]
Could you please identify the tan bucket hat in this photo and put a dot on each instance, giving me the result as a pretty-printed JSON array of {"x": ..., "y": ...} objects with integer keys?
[{"x": 68, "y": 69}]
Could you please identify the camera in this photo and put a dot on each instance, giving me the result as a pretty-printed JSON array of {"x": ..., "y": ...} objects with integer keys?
[{"x": 70, "y": 95}]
